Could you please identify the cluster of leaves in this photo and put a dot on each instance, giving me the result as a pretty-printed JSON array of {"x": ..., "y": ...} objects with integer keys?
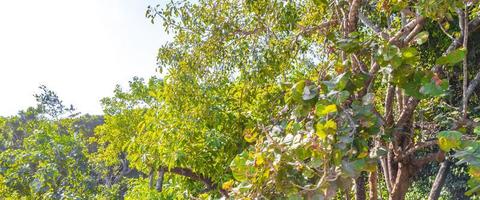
[
  {"x": 467, "y": 151},
  {"x": 45, "y": 158}
]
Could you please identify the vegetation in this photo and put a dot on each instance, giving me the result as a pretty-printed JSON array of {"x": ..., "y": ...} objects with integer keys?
[{"x": 269, "y": 99}]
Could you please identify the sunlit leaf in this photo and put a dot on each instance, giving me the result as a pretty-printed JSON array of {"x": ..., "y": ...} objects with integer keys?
[
  {"x": 452, "y": 58},
  {"x": 421, "y": 37},
  {"x": 449, "y": 139}
]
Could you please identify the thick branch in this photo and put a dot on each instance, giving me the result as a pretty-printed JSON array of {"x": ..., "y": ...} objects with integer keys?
[
  {"x": 414, "y": 32},
  {"x": 161, "y": 174},
  {"x": 198, "y": 177},
  {"x": 150, "y": 178},
  {"x": 407, "y": 112},
  {"x": 438, "y": 156},
  {"x": 360, "y": 193},
  {"x": 473, "y": 84},
  {"x": 386, "y": 174},
  {"x": 465, "y": 62},
  {"x": 439, "y": 181},
  {"x": 406, "y": 29},
  {"x": 389, "y": 105},
  {"x": 414, "y": 149},
  {"x": 372, "y": 26},
  {"x": 353, "y": 15},
  {"x": 372, "y": 182}
]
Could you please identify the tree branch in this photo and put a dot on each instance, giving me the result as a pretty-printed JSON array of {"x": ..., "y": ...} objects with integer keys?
[
  {"x": 353, "y": 15},
  {"x": 465, "y": 61},
  {"x": 407, "y": 112},
  {"x": 439, "y": 181},
  {"x": 161, "y": 174},
  {"x": 389, "y": 105},
  {"x": 310, "y": 29},
  {"x": 406, "y": 29},
  {"x": 472, "y": 27},
  {"x": 372, "y": 26},
  {"x": 373, "y": 180},
  {"x": 197, "y": 177},
  {"x": 414, "y": 32},
  {"x": 439, "y": 156},
  {"x": 414, "y": 149},
  {"x": 473, "y": 84}
]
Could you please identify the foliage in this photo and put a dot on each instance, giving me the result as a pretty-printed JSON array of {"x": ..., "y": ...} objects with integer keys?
[{"x": 268, "y": 99}]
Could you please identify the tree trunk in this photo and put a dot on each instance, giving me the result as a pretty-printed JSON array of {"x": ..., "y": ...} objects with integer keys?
[
  {"x": 439, "y": 181},
  {"x": 402, "y": 183},
  {"x": 360, "y": 193},
  {"x": 150, "y": 177},
  {"x": 386, "y": 176},
  {"x": 161, "y": 173},
  {"x": 347, "y": 194},
  {"x": 372, "y": 180}
]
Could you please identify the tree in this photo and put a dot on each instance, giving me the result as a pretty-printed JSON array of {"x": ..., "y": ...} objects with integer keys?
[
  {"x": 166, "y": 128},
  {"x": 270, "y": 99},
  {"x": 362, "y": 83},
  {"x": 50, "y": 105},
  {"x": 44, "y": 156}
]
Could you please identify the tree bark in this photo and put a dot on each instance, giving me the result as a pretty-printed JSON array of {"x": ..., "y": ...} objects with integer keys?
[
  {"x": 197, "y": 177},
  {"x": 439, "y": 181},
  {"x": 465, "y": 62},
  {"x": 161, "y": 174},
  {"x": 372, "y": 180},
  {"x": 150, "y": 178},
  {"x": 386, "y": 175},
  {"x": 360, "y": 193},
  {"x": 402, "y": 183}
]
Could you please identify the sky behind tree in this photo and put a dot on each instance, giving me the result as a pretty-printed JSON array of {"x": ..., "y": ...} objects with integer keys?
[{"x": 79, "y": 49}]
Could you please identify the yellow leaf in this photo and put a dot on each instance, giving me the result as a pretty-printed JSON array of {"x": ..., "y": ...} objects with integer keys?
[
  {"x": 363, "y": 154},
  {"x": 250, "y": 135},
  {"x": 474, "y": 172},
  {"x": 321, "y": 131},
  {"x": 331, "y": 125},
  {"x": 325, "y": 110},
  {"x": 259, "y": 159},
  {"x": 228, "y": 185},
  {"x": 204, "y": 196}
]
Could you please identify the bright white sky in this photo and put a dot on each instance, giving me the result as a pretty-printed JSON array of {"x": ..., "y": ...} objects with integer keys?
[{"x": 78, "y": 48}]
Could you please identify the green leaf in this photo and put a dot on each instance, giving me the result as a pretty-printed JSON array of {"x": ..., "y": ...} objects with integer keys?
[
  {"x": 297, "y": 90},
  {"x": 309, "y": 92},
  {"x": 412, "y": 84},
  {"x": 477, "y": 130},
  {"x": 353, "y": 168},
  {"x": 349, "y": 45},
  {"x": 452, "y": 58},
  {"x": 241, "y": 169},
  {"x": 421, "y": 38},
  {"x": 409, "y": 52},
  {"x": 388, "y": 52},
  {"x": 435, "y": 88},
  {"x": 337, "y": 83},
  {"x": 448, "y": 140}
]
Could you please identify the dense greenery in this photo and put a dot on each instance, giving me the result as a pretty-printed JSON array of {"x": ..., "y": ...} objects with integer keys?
[{"x": 269, "y": 99}]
